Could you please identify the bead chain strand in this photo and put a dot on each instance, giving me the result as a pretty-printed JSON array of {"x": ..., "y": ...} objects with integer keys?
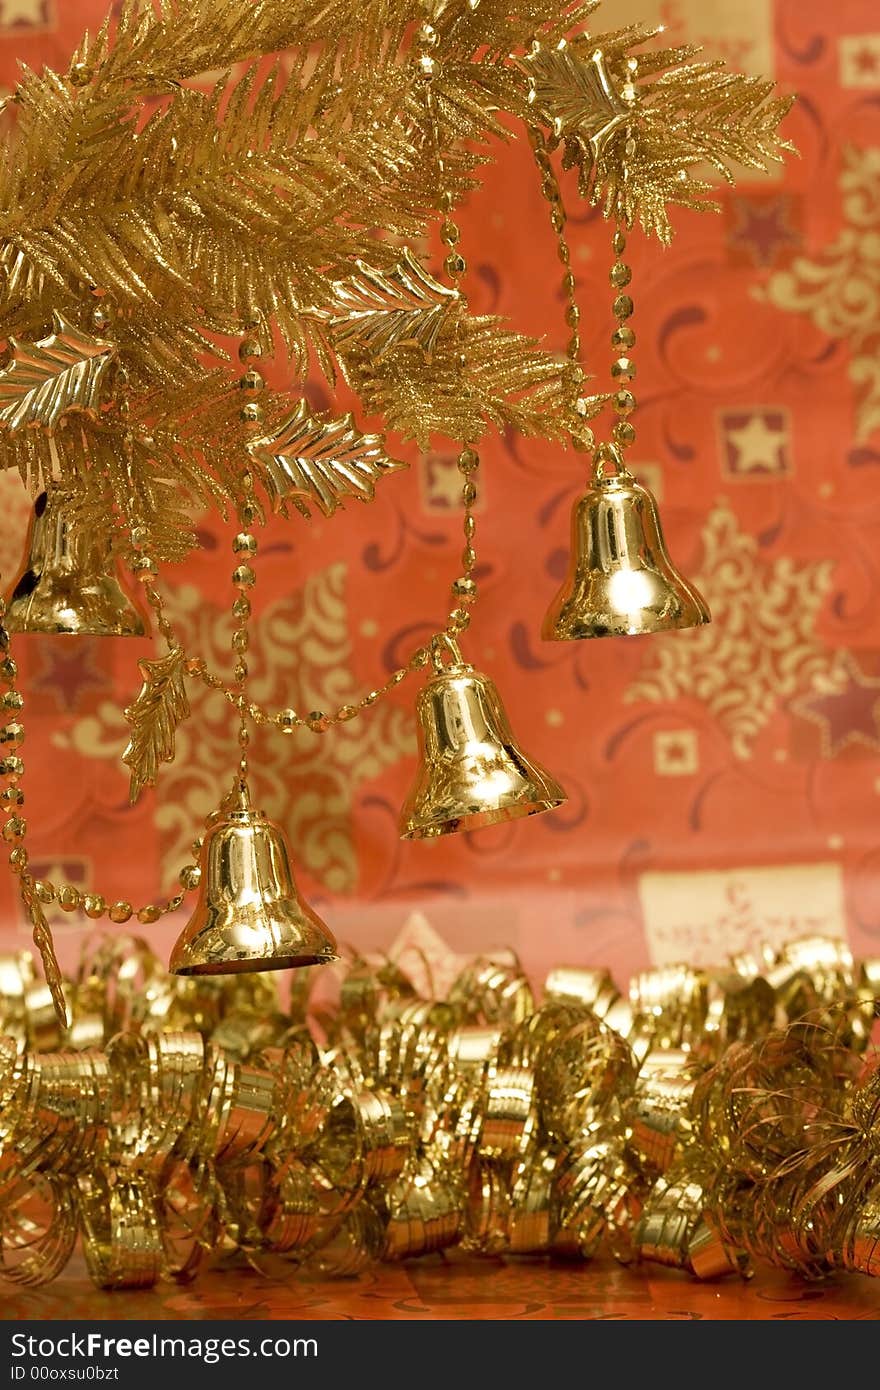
[
  {"x": 67, "y": 895},
  {"x": 244, "y": 546},
  {"x": 140, "y": 562},
  {"x": 45, "y": 890},
  {"x": 623, "y": 369},
  {"x": 623, "y": 339},
  {"x": 15, "y": 828},
  {"x": 285, "y": 719},
  {"x": 581, "y": 434},
  {"x": 464, "y": 587}
]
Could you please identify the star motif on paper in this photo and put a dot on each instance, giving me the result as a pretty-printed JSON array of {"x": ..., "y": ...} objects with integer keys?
[
  {"x": 67, "y": 670},
  {"x": 845, "y": 705},
  {"x": 30, "y": 12},
  {"x": 422, "y": 955},
  {"x": 755, "y": 441},
  {"x": 859, "y": 60},
  {"x": 441, "y": 482},
  {"x": 762, "y": 228},
  {"x": 676, "y": 753}
]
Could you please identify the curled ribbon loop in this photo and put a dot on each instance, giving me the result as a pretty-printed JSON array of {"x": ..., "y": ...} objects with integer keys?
[{"x": 699, "y": 1119}]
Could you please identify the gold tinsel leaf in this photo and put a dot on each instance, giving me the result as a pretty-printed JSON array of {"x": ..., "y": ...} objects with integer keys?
[
  {"x": 42, "y": 936},
  {"x": 154, "y": 717},
  {"x": 637, "y": 126},
  {"x": 322, "y": 462},
  {"x": 382, "y": 311},
  {"x": 44, "y": 380},
  {"x": 574, "y": 93}
]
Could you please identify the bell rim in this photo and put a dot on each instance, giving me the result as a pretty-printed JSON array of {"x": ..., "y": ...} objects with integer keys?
[
  {"x": 121, "y": 615},
  {"x": 553, "y": 630},
  {"x": 251, "y": 965},
  {"x": 84, "y": 631},
  {"x": 480, "y": 820}
]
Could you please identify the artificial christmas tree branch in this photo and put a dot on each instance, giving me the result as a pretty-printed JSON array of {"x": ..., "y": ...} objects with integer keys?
[{"x": 135, "y": 192}]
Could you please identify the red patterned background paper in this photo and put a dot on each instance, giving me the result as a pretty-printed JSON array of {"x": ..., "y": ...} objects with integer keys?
[{"x": 724, "y": 785}]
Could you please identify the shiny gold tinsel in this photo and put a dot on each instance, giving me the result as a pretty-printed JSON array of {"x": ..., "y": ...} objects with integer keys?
[{"x": 184, "y": 1121}]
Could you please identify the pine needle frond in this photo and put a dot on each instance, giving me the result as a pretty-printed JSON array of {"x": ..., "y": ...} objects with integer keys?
[
  {"x": 199, "y": 165},
  {"x": 639, "y": 126},
  {"x": 493, "y": 378}
]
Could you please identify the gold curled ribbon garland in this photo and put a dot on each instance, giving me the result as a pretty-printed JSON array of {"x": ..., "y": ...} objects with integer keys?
[{"x": 703, "y": 1119}]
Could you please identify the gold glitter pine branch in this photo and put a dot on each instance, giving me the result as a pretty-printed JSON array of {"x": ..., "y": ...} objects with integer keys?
[
  {"x": 163, "y": 207},
  {"x": 638, "y": 125},
  {"x": 480, "y": 374}
]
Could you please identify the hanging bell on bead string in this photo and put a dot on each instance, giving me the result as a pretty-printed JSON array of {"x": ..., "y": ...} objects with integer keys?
[
  {"x": 249, "y": 915},
  {"x": 621, "y": 581},
  {"x": 68, "y": 583},
  {"x": 472, "y": 773}
]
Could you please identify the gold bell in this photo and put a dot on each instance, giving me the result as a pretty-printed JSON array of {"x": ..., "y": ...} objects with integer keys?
[
  {"x": 68, "y": 584},
  {"x": 472, "y": 772},
  {"x": 621, "y": 581},
  {"x": 249, "y": 915}
]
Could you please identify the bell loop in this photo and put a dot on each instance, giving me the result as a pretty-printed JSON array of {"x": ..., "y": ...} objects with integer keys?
[
  {"x": 605, "y": 454},
  {"x": 238, "y": 798},
  {"x": 438, "y": 643}
]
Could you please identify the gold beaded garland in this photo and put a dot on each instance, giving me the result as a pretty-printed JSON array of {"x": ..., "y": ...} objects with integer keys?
[
  {"x": 464, "y": 588},
  {"x": 623, "y": 369}
]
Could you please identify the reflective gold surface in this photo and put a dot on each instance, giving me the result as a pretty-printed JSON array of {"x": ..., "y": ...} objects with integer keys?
[
  {"x": 472, "y": 772},
  {"x": 249, "y": 914},
  {"x": 621, "y": 581},
  {"x": 481, "y": 1118},
  {"x": 122, "y": 1238},
  {"x": 68, "y": 583}
]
